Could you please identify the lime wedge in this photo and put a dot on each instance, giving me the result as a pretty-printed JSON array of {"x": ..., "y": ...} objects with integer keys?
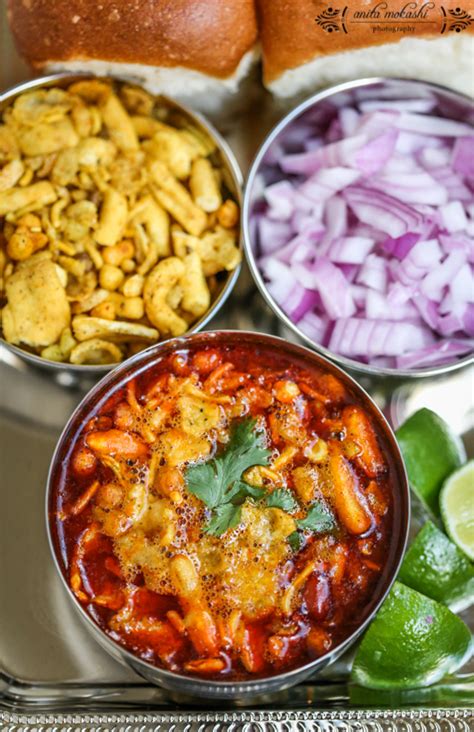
[
  {"x": 457, "y": 508},
  {"x": 434, "y": 566},
  {"x": 414, "y": 641},
  {"x": 431, "y": 452}
]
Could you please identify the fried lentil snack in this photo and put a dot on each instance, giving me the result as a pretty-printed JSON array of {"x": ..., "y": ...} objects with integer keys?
[{"x": 116, "y": 227}]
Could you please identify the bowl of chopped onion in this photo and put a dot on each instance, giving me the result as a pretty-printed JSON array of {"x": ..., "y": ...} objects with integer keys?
[{"x": 358, "y": 224}]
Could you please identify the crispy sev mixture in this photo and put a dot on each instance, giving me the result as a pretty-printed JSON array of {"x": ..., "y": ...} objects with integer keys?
[
  {"x": 116, "y": 225},
  {"x": 225, "y": 514}
]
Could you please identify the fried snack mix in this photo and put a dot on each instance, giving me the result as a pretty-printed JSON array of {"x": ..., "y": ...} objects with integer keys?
[{"x": 115, "y": 224}]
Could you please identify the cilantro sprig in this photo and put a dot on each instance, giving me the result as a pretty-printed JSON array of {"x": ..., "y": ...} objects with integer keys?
[
  {"x": 219, "y": 485},
  {"x": 318, "y": 520},
  {"x": 281, "y": 498},
  {"x": 218, "y": 482}
]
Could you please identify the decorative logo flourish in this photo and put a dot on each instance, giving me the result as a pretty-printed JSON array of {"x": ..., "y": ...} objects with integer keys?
[
  {"x": 459, "y": 20},
  {"x": 332, "y": 20}
]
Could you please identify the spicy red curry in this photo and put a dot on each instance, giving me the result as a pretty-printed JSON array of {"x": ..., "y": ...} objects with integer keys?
[{"x": 225, "y": 514}]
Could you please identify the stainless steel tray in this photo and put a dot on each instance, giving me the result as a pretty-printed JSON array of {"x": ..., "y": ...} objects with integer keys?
[{"x": 53, "y": 676}]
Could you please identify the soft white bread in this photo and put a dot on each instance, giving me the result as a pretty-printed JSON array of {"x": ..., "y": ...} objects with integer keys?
[
  {"x": 191, "y": 49},
  {"x": 207, "y": 93},
  {"x": 299, "y": 56}
]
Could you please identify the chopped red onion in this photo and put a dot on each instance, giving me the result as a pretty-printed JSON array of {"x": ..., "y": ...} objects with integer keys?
[
  {"x": 279, "y": 198},
  {"x": 349, "y": 120},
  {"x": 435, "y": 281},
  {"x": 433, "y": 355},
  {"x": 428, "y": 310},
  {"x": 409, "y": 143},
  {"x": 468, "y": 320},
  {"x": 325, "y": 183},
  {"x": 382, "y": 211},
  {"x": 350, "y": 249},
  {"x": 399, "y": 105},
  {"x": 450, "y": 242},
  {"x": 420, "y": 259},
  {"x": 364, "y": 223},
  {"x": 373, "y": 273},
  {"x": 453, "y": 216},
  {"x": 401, "y": 246},
  {"x": 434, "y": 126},
  {"x": 329, "y": 281},
  {"x": 272, "y": 235},
  {"x": 432, "y": 158},
  {"x": 461, "y": 287},
  {"x": 375, "y": 154},
  {"x": 412, "y": 188},
  {"x": 314, "y": 326},
  {"x": 463, "y": 156},
  {"x": 359, "y": 337},
  {"x": 377, "y": 307},
  {"x": 298, "y": 302}
]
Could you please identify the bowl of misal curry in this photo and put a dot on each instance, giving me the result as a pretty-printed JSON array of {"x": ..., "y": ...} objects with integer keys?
[
  {"x": 119, "y": 221},
  {"x": 227, "y": 511}
]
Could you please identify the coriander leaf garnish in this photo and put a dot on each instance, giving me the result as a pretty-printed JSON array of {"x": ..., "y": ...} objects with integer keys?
[
  {"x": 218, "y": 481},
  {"x": 295, "y": 540},
  {"x": 203, "y": 481},
  {"x": 281, "y": 498},
  {"x": 318, "y": 520},
  {"x": 241, "y": 491},
  {"x": 224, "y": 517}
]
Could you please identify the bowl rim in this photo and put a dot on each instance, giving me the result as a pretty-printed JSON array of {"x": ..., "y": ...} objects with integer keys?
[
  {"x": 138, "y": 364},
  {"x": 228, "y": 157},
  {"x": 287, "y": 119}
]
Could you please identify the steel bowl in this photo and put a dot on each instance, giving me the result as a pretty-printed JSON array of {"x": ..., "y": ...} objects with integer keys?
[
  {"x": 233, "y": 180},
  {"x": 187, "y": 686},
  {"x": 450, "y": 104}
]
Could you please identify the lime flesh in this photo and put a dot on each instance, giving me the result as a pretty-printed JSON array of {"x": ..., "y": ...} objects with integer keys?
[
  {"x": 413, "y": 642},
  {"x": 457, "y": 508},
  {"x": 431, "y": 452},
  {"x": 435, "y": 567}
]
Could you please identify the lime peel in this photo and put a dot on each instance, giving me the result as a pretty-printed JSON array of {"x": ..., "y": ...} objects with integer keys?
[
  {"x": 434, "y": 566},
  {"x": 431, "y": 451},
  {"x": 413, "y": 642}
]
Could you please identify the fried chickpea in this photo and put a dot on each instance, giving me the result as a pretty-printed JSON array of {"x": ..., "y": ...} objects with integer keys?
[
  {"x": 206, "y": 361},
  {"x": 30, "y": 221},
  {"x": 133, "y": 286},
  {"x": 84, "y": 462},
  {"x": 111, "y": 277},
  {"x": 26, "y": 239},
  {"x": 286, "y": 391},
  {"x": 228, "y": 214},
  {"x": 119, "y": 252},
  {"x": 316, "y": 451},
  {"x": 170, "y": 483},
  {"x": 20, "y": 245},
  {"x": 132, "y": 308},
  {"x": 318, "y": 642},
  {"x": 128, "y": 266},
  {"x": 104, "y": 310},
  {"x": 109, "y": 495}
]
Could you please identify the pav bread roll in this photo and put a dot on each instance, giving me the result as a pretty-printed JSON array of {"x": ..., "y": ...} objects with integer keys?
[
  {"x": 307, "y": 44},
  {"x": 191, "y": 49}
]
